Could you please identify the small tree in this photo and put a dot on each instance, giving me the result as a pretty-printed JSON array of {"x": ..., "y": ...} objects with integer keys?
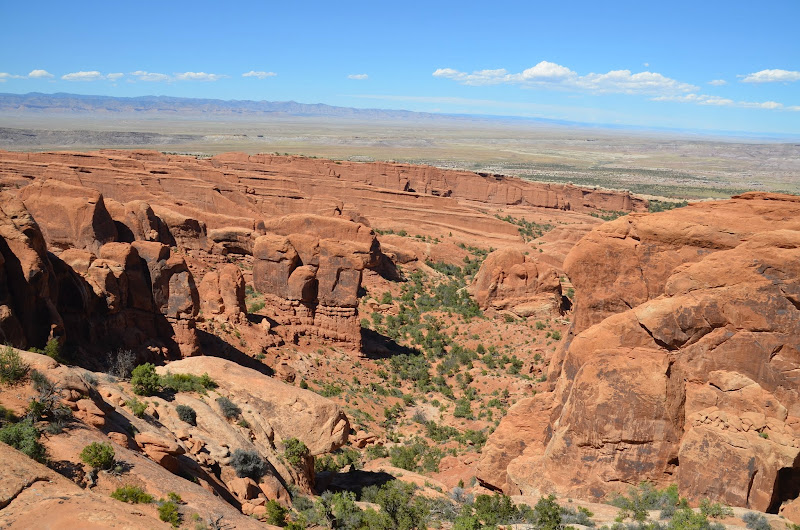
[
  {"x": 295, "y": 451},
  {"x": 547, "y": 513},
  {"x": 12, "y": 368},
  {"x": 24, "y": 436},
  {"x": 98, "y": 455},
  {"x": 276, "y": 514},
  {"x": 145, "y": 380}
]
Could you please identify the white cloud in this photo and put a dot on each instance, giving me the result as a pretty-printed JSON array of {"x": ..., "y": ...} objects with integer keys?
[
  {"x": 259, "y": 74},
  {"x": 142, "y": 75},
  {"x": 38, "y": 74},
  {"x": 703, "y": 99},
  {"x": 5, "y": 75},
  {"x": 114, "y": 76},
  {"x": 555, "y": 76},
  {"x": 717, "y": 82},
  {"x": 198, "y": 76},
  {"x": 772, "y": 76},
  {"x": 358, "y": 77},
  {"x": 93, "y": 75}
]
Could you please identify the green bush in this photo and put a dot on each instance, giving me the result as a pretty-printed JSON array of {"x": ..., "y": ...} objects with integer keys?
[
  {"x": 547, "y": 514},
  {"x": 187, "y": 383},
  {"x": 463, "y": 409},
  {"x": 715, "y": 510},
  {"x": 12, "y": 368},
  {"x": 145, "y": 380},
  {"x": 295, "y": 451},
  {"x": 24, "y": 436},
  {"x": 187, "y": 414},
  {"x": 276, "y": 514},
  {"x": 132, "y": 495},
  {"x": 248, "y": 464},
  {"x": 228, "y": 408},
  {"x": 756, "y": 521},
  {"x": 168, "y": 512},
  {"x": 98, "y": 455},
  {"x": 136, "y": 406}
]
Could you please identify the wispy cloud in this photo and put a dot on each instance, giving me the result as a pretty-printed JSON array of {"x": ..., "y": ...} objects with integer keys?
[
  {"x": 259, "y": 74},
  {"x": 4, "y": 76},
  {"x": 358, "y": 77},
  {"x": 718, "y": 82},
  {"x": 142, "y": 75},
  {"x": 40, "y": 74},
  {"x": 557, "y": 77},
  {"x": 92, "y": 75},
  {"x": 703, "y": 99},
  {"x": 771, "y": 76},
  {"x": 198, "y": 76}
]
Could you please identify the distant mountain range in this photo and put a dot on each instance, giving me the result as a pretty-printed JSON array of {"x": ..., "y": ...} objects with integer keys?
[{"x": 63, "y": 103}]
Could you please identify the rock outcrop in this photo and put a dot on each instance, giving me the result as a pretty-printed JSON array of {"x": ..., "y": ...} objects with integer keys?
[
  {"x": 69, "y": 216},
  {"x": 510, "y": 280},
  {"x": 310, "y": 266},
  {"x": 683, "y": 363},
  {"x": 119, "y": 296}
]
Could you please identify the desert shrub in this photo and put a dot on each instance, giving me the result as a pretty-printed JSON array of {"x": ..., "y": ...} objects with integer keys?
[
  {"x": 248, "y": 464},
  {"x": 168, "y": 512},
  {"x": 463, "y": 409},
  {"x": 715, "y": 510},
  {"x": 121, "y": 363},
  {"x": 377, "y": 451},
  {"x": 228, "y": 408},
  {"x": 496, "y": 509},
  {"x": 400, "y": 509},
  {"x": 174, "y": 497},
  {"x": 344, "y": 457},
  {"x": 53, "y": 350},
  {"x": 556, "y": 335},
  {"x": 255, "y": 307},
  {"x": 145, "y": 380},
  {"x": 24, "y": 436},
  {"x": 295, "y": 451},
  {"x": 98, "y": 455},
  {"x": 547, "y": 514},
  {"x": 646, "y": 497},
  {"x": 187, "y": 383},
  {"x": 756, "y": 521},
  {"x": 330, "y": 390},
  {"x": 136, "y": 406},
  {"x": 580, "y": 516},
  {"x": 688, "y": 519},
  {"x": 132, "y": 495},
  {"x": 187, "y": 414},
  {"x": 12, "y": 368},
  {"x": 276, "y": 514}
]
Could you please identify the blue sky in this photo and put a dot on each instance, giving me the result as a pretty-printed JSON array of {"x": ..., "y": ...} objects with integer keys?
[{"x": 732, "y": 65}]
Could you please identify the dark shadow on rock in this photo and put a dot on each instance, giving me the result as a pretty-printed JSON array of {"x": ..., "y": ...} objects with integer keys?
[
  {"x": 213, "y": 346},
  {"x": 377, "y": 346},
  {"x": 354, "y": 481}
]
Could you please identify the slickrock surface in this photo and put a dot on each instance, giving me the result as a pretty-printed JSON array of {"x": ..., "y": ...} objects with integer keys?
[{"x": 683, "y": 362}]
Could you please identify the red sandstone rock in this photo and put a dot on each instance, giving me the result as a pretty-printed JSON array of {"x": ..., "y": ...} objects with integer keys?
[
  {"x": 69, "y": 216},
  {"x": 683, "y": 353},
  {"x": 510, "y": 280}
]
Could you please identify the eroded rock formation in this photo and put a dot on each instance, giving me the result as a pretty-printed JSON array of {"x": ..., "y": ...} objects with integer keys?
[
  {"x": 510, "y": 280},
  {"x": 683, "y": 364}
]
